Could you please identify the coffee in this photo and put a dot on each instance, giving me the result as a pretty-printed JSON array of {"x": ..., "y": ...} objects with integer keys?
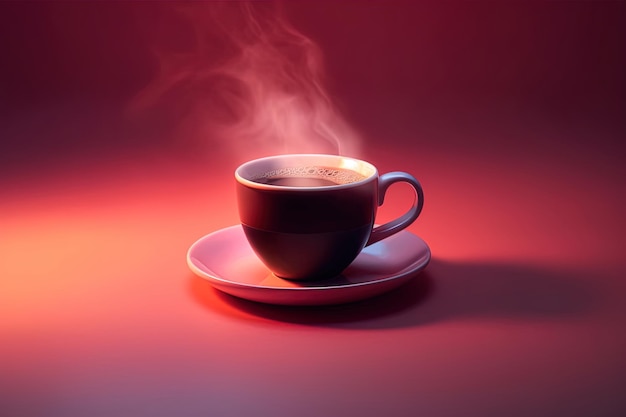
[
  {"x": 311, "y": 176},
  {"x": 296, "y": 182}
]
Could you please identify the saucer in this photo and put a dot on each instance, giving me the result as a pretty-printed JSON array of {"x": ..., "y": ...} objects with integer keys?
[{"x": 227, "y": 261}]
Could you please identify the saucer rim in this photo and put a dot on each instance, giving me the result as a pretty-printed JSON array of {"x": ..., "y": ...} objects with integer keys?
[{"x": 397, "y": 276}]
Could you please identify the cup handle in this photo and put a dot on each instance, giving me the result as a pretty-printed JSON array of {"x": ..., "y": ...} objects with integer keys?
[{"x": 394, "y": 226}]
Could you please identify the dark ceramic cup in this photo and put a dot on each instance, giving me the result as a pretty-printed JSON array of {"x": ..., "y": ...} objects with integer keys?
[{"x": 308, "y": 216}]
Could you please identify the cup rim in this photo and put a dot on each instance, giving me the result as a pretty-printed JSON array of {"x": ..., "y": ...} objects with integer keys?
[{"x": 351, "y": 164}]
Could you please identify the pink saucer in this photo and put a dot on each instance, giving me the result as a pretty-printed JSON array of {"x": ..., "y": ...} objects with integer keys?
[{"x": 226, "y": 260}]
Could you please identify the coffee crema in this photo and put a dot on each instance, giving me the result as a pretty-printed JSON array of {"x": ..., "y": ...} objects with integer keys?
[{"x": 310, "y": 176}]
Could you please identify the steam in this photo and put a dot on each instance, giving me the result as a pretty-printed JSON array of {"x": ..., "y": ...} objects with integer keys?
[{"x": 251, "y": 82}]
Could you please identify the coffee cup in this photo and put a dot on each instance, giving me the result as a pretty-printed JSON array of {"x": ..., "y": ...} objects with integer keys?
[{"x": 308, "y": 216}]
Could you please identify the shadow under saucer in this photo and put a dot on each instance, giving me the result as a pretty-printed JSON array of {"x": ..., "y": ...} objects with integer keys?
[{"x": 445, "y": 291}]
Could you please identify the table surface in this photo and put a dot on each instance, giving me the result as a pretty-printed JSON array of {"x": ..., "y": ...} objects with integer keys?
[{"x": 521, "y": 311}]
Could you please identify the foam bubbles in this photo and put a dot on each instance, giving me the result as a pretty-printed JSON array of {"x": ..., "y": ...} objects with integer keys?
[{"x": 336, "y": 175}]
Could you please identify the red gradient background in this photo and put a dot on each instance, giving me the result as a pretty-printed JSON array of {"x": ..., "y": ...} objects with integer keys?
[{"x": 511, "y": 114}]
